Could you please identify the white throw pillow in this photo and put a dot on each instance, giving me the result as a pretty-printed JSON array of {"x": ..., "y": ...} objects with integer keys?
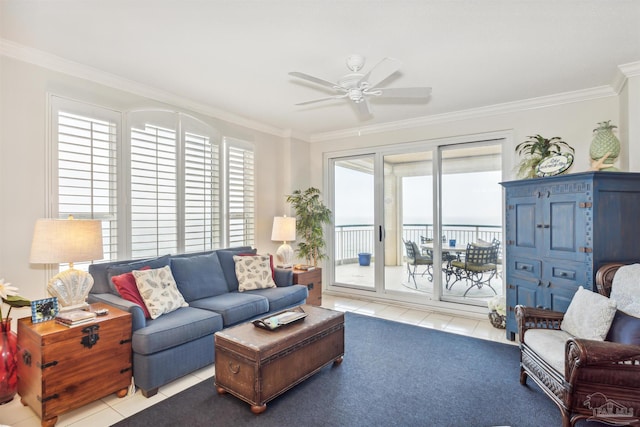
[
  {"x": 589, "y": 315},
  {"x": 625, "y": 289},
  {"x": 253, "y": 272},
  {"x": 159, "y": 291}
]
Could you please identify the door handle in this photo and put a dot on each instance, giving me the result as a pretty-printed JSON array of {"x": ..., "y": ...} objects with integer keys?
[{"x": 380, "y": 233}]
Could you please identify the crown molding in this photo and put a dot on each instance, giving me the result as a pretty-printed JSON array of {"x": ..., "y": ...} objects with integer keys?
[
  {"x": 474, "y": 113},
  {"x": 631, "y": 69},
  {"x": 55, "y": 63}
]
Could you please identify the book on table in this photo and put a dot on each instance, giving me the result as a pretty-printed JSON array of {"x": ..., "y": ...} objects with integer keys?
[{"x": 75, "y": 317}]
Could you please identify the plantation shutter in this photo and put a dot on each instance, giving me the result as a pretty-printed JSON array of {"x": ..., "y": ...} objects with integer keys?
[
  {"x": 201, "y": 193},
  {"x": 240, "y": 193},
  {"x": 154, "y": 204},
  {"x": 85, "y": 146}
]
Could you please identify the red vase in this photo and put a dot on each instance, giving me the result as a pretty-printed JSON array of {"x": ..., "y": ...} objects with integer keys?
[{"x": 8, "y": 362}]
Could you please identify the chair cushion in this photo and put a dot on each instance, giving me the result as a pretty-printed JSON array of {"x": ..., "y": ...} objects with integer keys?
[
  {"x": 234, "y": 307},
  {"x": 625, "y": 289},
  {"x": 175, "y": 328},
  {"x": 199, "y": 276},
  {"x": 127, "y": 288},
  {"x": 625, "y": 329},
  {"x": 589, "y": 315},
  {"x": 549, "y": 345},
  {"x": 159, "y": 291},
  {"x": 253, "y": 272}
]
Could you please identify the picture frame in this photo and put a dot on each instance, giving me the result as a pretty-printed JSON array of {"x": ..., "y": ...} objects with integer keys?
[{"x": 44, "y": 309}]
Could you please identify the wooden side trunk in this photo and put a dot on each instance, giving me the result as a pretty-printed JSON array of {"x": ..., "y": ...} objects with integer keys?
[
  {"x": 256, "y": 365},
  {"x": 62, "y": 368}
]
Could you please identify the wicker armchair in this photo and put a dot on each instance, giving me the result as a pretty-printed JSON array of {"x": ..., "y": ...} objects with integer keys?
[{"x": 601, "y": 379}]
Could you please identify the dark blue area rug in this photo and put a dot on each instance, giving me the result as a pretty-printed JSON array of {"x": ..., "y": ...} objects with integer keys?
[{"x": 393, "y": 374}]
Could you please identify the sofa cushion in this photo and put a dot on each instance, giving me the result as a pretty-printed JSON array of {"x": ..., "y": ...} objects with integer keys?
[
  {"x": 589, "y": 315},
  {"x": 118, "y": 269},
  {"x": 282, "y": 297},
  {"x": 234, "y": 307},
  {"x": 548, "y": 344},
  {"x": 127, "y": 288},
  {"x": 199, "y": 276},
  {"x": 625, "y": 289},
  {"x": 175, "y": 328},
  {"x": 625, "y": 329},
  {"x": 253, "y": 272},
  {"x": 229, "y": 265},
  {"x": 159, "y": 290}
]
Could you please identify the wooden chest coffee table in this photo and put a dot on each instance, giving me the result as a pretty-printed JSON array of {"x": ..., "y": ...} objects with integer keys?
[{"x": 256, "y": 365}]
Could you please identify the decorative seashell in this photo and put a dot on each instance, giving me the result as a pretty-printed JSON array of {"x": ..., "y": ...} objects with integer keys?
[{"x": 71, "y": 286}]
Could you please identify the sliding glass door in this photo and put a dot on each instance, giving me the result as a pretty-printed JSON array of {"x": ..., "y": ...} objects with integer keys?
[
  {"x": 353, "y": 208},
  {"x": 408, "y": 223},
  {"x": 397, "y": 212},
  {"x": 471, "y": 199}
]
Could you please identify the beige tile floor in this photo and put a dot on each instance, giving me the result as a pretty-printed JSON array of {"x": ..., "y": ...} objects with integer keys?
[{"x": 107, "y": 411}]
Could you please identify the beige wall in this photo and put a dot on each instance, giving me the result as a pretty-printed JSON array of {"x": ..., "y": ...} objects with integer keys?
[{"x": 23, "y": 113}]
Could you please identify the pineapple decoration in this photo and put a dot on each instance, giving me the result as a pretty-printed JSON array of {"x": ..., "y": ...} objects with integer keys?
[{"x": 605, "y": 147}]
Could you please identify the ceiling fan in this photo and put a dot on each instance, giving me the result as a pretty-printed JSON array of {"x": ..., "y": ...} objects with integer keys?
[{"x": 359, "y": 87}]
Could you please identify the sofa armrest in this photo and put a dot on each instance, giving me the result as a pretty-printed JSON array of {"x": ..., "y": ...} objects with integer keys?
[
  {"x": 137, "y": 315},
  {"x": 590, "y": 354},
  {"x": 284, "y": 277},
  {"x": 536, "y": 318}
]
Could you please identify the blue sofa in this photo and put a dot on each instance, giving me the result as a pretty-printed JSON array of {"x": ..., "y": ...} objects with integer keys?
[{"x": 181, "y": 342}]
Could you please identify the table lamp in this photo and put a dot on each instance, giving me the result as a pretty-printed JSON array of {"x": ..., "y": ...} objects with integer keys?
[
  {"x": 57, "y": 241},
  {"x": 284, "y": 230}
]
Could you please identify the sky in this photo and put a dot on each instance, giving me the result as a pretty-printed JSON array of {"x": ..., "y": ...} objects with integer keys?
[{"x": 468, "y": 198}]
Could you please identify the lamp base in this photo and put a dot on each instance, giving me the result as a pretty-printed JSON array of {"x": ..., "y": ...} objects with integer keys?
[
  {"x": 284, "y": 255},
  {"x": 71, "y": 287},
  {"x": 82, "y": 306},
  {"x": 284, "y": 265}
]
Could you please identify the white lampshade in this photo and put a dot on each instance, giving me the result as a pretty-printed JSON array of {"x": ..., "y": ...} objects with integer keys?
[
  {"x": 284, "y": 229},
  {"x": 71, "y": 240},
  {"x": 58, "y": 241}
]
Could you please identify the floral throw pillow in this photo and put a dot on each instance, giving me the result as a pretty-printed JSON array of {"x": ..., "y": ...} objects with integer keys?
[
  {"x": 159, "y": 291},
  {"x": 253, "y": 272},
  {"x": 589, "y": 315}
]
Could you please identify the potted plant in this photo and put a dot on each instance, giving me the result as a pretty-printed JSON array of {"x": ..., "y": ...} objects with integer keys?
[
  {"x": 311, "y": 216},
  {"x": 536, "y": 149}
]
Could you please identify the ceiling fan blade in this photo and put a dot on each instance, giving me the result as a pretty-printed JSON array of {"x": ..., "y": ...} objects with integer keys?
[
  {"x": 313, "y": 101},
  {"x": 315, "y": 80},
  {"x": 404, "y": 92},
  {"x": 381, "y": 71},
  {"x": 364, "y": 109}
]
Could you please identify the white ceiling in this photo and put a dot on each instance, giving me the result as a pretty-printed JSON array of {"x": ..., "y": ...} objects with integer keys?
[{"x": 234, "y": 55}]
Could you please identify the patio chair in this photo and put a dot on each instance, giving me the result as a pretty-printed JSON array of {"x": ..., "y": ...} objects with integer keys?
[
  {"x": 479, "y": 266},
  {"x": 414, "y": 259},
  {"x": 423, "y": 241}
]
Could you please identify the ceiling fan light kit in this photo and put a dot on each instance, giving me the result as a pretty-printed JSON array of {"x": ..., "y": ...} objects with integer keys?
[{"x": 358, "y": 87}]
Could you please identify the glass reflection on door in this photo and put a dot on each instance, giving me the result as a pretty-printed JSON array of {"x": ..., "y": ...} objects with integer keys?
[
  {"x": 354, "y": 245},
  {"x": 471, "y": 204},
  {"x": 408, "y": 223}
]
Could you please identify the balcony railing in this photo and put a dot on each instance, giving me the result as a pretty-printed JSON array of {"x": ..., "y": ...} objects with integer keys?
[{"x": 357, "y": 238}]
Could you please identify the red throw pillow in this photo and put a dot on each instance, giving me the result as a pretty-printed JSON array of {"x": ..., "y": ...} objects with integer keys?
[
  {"x": 126, "y": 286},
  {"x": 273, "y": 270}
]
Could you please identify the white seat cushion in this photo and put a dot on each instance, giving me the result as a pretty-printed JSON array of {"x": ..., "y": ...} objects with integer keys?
[{"x": 548, "y": 344}]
